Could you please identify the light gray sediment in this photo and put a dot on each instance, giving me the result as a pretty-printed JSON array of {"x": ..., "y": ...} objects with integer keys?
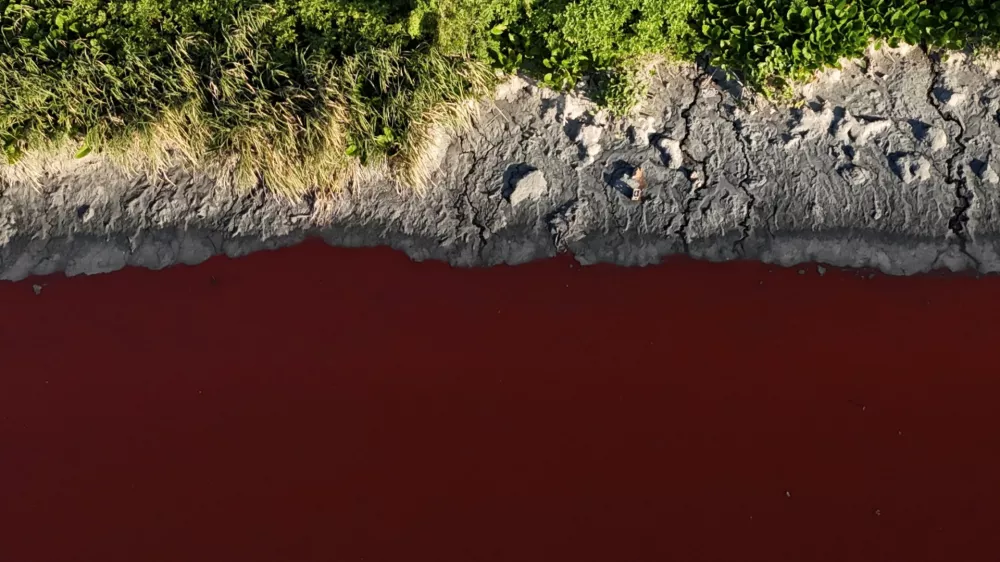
[{"x": 892, "y": 164}]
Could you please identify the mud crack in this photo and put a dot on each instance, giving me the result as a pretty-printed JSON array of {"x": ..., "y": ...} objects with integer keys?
[
  {"x": 474, "y": 219},
  {"x": 745, "y": 181},
  {"x": 697, "y": 176},
  {"x": 957, "y": 224},
  {"x": 474, "y": 213},
  {"x": 466, "y": 196}
]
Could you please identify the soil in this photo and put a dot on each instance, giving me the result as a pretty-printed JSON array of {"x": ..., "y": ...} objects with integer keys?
[
  {"x": 320, "y": 403},
  {"x": 888, "y": 163}
]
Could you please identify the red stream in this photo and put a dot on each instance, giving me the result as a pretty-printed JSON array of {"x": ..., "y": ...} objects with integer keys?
[{"x": 322, "y": 404}]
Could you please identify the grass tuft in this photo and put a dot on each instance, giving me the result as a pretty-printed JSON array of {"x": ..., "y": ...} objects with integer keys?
[{"x": 296, "y": 94}]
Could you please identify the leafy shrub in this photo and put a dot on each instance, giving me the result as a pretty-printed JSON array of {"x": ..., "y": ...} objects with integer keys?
[
  {"x": 291, "y": 90},
  {"x": 562, "y": 41},
  {"x": 274, "y": 85},
  {"x": 771, "y": 40}
]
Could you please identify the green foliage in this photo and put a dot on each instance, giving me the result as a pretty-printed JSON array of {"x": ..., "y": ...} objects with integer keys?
[
  {"x": 253, "y": 77},
  {"x": 280, "y": 83},
  {"x": 773, "y": 40},
  {"x": 561, "y": 42}
]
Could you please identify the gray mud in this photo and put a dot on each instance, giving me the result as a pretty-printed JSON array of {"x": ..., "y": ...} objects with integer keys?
[{"x": 893, "y": 163}]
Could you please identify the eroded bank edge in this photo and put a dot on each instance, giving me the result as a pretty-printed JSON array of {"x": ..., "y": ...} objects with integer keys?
[{"x": 711, "y": 153}]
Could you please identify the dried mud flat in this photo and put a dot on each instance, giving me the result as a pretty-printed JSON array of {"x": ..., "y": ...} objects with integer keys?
[{"x": 892, "y": 162}]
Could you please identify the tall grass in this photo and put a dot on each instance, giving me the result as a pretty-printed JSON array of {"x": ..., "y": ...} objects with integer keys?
[
  {"x": 295, "y": 94},
  {"x": 270, "y": 99}
]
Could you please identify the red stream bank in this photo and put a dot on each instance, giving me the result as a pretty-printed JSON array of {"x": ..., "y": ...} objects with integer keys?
[{"x": 322, "y": 404}]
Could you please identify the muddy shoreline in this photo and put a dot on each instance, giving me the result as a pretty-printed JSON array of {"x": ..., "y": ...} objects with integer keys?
[{"x": 891, "y": 163}]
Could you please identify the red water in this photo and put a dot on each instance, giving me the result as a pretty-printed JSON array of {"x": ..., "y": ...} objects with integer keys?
[{"x": 327, "y": 404}]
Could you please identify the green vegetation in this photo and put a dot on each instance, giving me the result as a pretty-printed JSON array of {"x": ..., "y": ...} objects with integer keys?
[
  {"x": 292, "y": 92},
  {"x": 771, "y": 40}
]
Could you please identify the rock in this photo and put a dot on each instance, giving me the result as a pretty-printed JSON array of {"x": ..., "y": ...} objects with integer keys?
[
  {"x": 938, "y": 139},
  {"x": 512, "y": 88},
  {"x": 910, "y": 167},
  {"x": 590, "y": 140},
  {"x": 670, "y": 152},
  {"x": 529, "y": 188},
  {"x": 989, "y": 175},
  {"x": 640, "y": 132}
]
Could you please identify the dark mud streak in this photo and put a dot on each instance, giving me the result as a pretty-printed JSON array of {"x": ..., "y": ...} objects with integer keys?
[
  {"x": 475, "y": 214},
  {"x": 697, "y": 177},
  {"x": 744, "y": 184},
  {"x": 955, "y": 164}
]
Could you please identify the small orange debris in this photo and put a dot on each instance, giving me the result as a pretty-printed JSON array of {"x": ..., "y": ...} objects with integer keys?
[{"x": 640, "y": 179}]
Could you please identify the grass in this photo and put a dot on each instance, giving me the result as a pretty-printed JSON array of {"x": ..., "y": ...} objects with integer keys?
[{"x": 297, "y": 93}]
